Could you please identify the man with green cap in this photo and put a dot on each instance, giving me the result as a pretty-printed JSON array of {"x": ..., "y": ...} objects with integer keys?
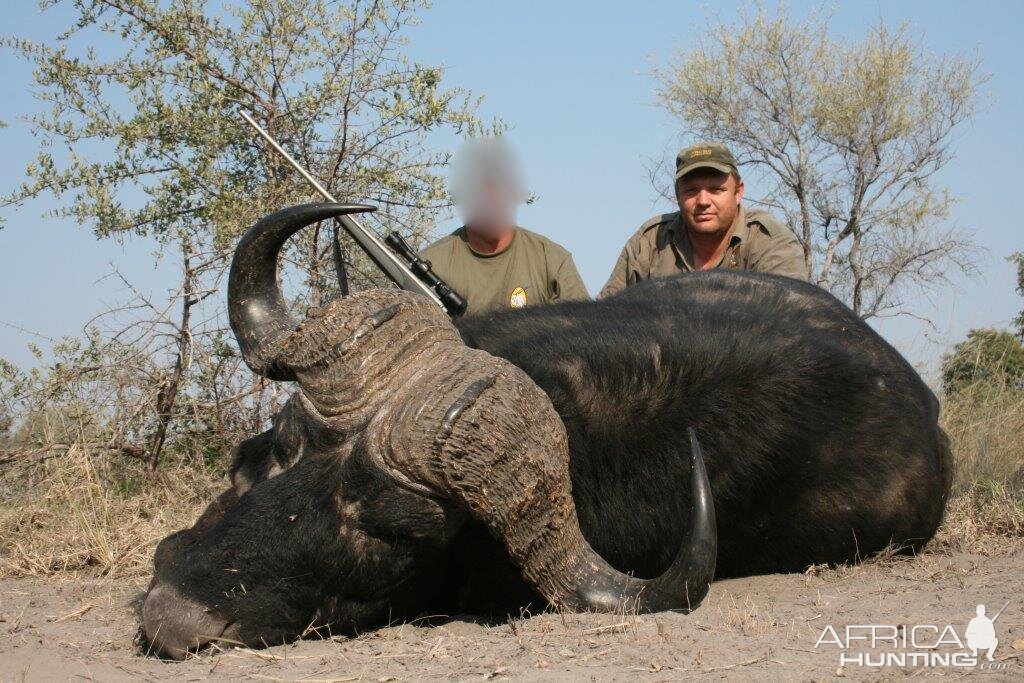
[{"x": 710, "y": 230}]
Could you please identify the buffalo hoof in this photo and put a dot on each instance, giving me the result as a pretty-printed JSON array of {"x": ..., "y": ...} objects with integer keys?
[{"x": 176, "y": 625}]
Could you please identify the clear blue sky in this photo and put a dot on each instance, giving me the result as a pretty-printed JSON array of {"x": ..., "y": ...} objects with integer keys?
[{"x": 573, "y": 80}]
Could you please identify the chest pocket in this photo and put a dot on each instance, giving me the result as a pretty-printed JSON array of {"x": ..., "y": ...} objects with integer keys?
[{"x": 732, "y": 257}]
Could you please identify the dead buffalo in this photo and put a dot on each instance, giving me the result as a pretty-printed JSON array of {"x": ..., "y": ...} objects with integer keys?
[{"x": 545, "y": 454}]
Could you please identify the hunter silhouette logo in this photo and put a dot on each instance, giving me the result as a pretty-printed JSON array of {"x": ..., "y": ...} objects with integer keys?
[
  {"x": 981, "y": 632},
  {"x": 931, "y": 645}
]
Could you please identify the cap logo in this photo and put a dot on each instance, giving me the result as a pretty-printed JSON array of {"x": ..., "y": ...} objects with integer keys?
[{"x": 697, "y": 153}]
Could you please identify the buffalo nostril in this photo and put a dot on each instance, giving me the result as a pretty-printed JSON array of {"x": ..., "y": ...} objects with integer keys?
[{"x": 176, "y": 625}]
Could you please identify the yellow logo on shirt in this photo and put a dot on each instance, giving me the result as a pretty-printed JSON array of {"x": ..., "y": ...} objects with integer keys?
[{"x": 518, "y": 298}]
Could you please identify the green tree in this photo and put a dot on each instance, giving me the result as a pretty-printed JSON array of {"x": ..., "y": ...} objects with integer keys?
[
  {"x": 142, "y": 139},
  {"x": 990, "y": 357},
  {"x": 850, "y": 136},
  {"x": 1018, "y": 259}
]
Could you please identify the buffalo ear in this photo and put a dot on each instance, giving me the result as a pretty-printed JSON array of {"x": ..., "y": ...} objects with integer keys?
[
  {"x": 267, "y": 455},
  {"x": 252, "y": 461}
]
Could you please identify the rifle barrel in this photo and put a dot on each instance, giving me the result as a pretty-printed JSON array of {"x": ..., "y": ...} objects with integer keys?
[{"x": 385, "y": 259}]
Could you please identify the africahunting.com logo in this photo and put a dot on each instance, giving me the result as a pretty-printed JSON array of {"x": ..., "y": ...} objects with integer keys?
[{"x": 930, "y": 645}]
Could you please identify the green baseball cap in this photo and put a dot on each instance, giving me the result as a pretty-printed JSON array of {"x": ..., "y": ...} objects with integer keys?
[{"x": 705, "y": 155}]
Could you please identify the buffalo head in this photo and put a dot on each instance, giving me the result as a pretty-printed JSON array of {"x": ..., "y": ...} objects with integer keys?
[{"x": 398, "y": 435}]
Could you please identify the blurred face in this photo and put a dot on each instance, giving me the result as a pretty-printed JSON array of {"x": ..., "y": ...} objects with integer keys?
[
  {"x": 490, "y": 209},
  {"x": 487, "y": 185},
  {"x": 708, "y": 201}
]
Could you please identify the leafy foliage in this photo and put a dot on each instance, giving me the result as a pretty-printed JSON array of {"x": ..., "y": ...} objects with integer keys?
[
  {"x": 141, "y": 139},
  {"x": 991, "y": 357},
  {"x": 1017, "y": 259}
]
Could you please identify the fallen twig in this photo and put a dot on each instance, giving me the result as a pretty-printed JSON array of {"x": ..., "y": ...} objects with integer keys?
[
  {"x": 606, "y": 629},
  {"x": 71, "y": 615},
  {"x": 756, "y": 660}
]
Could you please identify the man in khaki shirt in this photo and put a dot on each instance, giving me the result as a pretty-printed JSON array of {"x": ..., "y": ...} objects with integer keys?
[
  {"x": 710, "y": 230},
  {"x": 491, "y": 261}
]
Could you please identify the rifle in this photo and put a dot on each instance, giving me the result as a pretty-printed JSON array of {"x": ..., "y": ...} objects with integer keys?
[{"x": 400, "y": 263}]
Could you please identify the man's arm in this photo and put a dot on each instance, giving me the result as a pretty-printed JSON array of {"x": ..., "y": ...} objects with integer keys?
[{"x": 568, "y": 283}]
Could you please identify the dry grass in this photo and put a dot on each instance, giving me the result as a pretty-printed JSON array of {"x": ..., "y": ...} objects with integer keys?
[
  {"x": 985, "y": 422},
  {"x": 986, "y": 425},
  {"x": 92, "y": 510}
]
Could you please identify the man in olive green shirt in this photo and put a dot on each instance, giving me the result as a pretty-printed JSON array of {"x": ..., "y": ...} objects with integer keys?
[
  {"x": 710, "y": 230},
  {"x": 527, "y": 269},
  {"x": 491, "y": 261}
]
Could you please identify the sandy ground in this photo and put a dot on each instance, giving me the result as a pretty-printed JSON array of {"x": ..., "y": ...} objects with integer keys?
[{"x": 80, "y": 626}]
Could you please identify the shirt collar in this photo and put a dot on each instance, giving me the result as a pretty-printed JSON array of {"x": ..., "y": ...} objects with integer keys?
[
  {"x": 679, "y": 237},
  {"x": 461, "y": 232}
]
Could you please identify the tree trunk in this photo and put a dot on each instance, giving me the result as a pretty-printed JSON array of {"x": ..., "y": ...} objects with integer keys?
[
  {"x": 857, "y": 272},
  {"x": 168, "y": 394}
]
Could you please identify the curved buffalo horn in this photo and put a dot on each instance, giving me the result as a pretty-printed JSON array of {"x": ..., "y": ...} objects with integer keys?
[
  {"x": 502, "y": 449},
  {"x": 562, "y": 565},
  {"x": 256, "y": 308},
  {"x": 685, "y": 583}
]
